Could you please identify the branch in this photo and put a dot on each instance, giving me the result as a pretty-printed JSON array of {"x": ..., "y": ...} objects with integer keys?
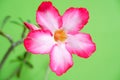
[
  {"x": 9, "y": 51},
  {"x": 23, "y": 33},
  {"x": 18, "y": 70},
  {"x": 13, "y": 45},
  {"x": 6, "y": 36},
  {"x": 13, "y": 73}
]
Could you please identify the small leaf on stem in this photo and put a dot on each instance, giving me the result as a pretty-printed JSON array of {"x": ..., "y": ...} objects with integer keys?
[
  {"x": 5, "y": 21},
  {"x": 29, "y": 64},
  {"x": 17, "y": 23}
]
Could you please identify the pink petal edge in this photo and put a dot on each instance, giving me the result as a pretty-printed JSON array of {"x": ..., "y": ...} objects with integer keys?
[
  {"x": 48, "y": 17},
  {"x": 60, "y": 59},
  {"x": 74, "y": 19},
  {"x": 81, "y": 44},
  {"x": 39, "y": 42}
]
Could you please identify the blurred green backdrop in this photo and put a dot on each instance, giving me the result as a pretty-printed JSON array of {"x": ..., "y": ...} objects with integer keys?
[{"x": 104, "y": 26}]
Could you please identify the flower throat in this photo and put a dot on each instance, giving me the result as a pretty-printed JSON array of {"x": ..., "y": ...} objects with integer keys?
[{"x": 60, "y": 35}]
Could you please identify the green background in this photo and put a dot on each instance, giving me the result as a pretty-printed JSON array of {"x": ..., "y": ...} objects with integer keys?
[{"x": 103, "y": 25}]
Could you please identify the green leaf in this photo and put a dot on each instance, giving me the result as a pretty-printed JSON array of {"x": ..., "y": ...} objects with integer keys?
[
  {"x": 29, "y": 64},
  {"x": 5, "y": 21},
  {"x": 21, "y": 20},
  {"x": 19, "y": 71},
  {"x": 17, "y": 23}
]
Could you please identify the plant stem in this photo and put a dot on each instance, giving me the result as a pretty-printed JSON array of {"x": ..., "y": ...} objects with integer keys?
[
  {"x": 16, "y": 71},
  {"x": 47, "y": 73},
  {"x": 6, "y": 36},
  {"x": 9, "y": 51}
]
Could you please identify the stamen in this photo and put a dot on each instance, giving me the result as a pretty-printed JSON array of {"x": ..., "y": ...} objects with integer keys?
[{"x": 60, "y": 35}]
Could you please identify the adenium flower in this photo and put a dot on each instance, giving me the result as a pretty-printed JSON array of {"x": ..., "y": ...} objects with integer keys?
[{"x": 59, "y": 36}]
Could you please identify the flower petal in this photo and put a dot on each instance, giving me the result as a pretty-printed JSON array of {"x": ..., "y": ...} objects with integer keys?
[
  {"x": 74, "y": 19},
  {"x": 47, "y": 17},
  {"x": 60, "y": 59},
  {"x": 39, "y": 42},
  {"x": 81, "y": 44},
  {"x": 31, "y": 27}
]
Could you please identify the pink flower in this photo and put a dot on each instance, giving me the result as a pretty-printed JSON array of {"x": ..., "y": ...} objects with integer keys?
[{"x": 59, "y": 36}]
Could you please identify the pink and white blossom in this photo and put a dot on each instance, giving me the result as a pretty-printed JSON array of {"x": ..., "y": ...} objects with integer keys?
[{"x": 59, "y": 36}]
